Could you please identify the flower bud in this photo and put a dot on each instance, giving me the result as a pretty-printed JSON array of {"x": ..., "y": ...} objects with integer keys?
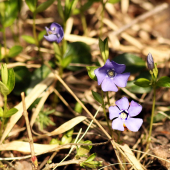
[{"x": 150, "y": 62}]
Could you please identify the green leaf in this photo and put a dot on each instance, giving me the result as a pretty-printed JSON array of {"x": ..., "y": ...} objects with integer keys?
[
  {"x": 60, "y": 9},
  {"x": 66, "y": 61},
  {"x": 29, "y": 39},
  {"x": 67, "y": 137},
  {"x": 133, "y": 63},
  {"x": 155, "y": 70},
  {"x": 37, "y": 76},
  {"x": 163, "y": 82},
  {"x": 57, "y": 49},
  {"x": 78, "y": 108},
  {"x": 11, "y": 80},
  {"x": 104, "y": 49},
  {"x": 4, "y": 74},
  {"x": 113, "y": 1},
  {"x": 10, "y": 13},
  {"x": 91, "y": 157},
  {"x": 97, "y": 97},
  {"x": 55, "y": 142},
  {"x": 10, "y": 112},
  {"x": 84, "y": 7},
  {"x": 1, "y": 112},
  {"x": 44, "y": 6},
  {"x": 15, "y": 50},
  {"x": 84, "y": 150},
  {"x": 136, "y": 89},
  {"x": 22, "y": 79},
  {"x": 41, "y": 35},
  {"x": 80, "y": 53},
  {"x": 90, "y": 70},
  {"x": 0, "y": 52},
  {"x": 91, "y": 164},
  {"x": 69, "y": 6},
  {"x": 142, "y": 82},
  {"x": 31, "y": 4},
  {"x": 3, "y": 89}
]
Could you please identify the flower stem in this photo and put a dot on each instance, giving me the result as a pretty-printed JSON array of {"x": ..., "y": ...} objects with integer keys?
[
  {"x": 108, "y": 100},
  {"x": 104, "y": 110},
  {"x": 151, "y": 122}
]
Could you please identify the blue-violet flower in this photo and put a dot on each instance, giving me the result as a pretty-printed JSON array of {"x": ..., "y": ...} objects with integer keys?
[
  {"x": 150, "y": 62},
  {"x": 55, "y": 33},
  {"x": 124, "y": 113},
  {"x": 111, "y": 75}
]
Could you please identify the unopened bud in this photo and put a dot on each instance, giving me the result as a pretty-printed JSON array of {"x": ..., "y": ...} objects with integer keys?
[{"x": 150, "y": 62}]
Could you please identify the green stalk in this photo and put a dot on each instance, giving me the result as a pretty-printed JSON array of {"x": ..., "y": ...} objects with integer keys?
[
  {"x": 101, "y": 21},
  {"x": 152, "y": 115},
  {"x": 4, "y": 38},
  {"x": 3, "y": 118},
  {"x": 108, "y": 100},
  {"x": 34, "y": 30},
  {"x": 104, "y": 110}
]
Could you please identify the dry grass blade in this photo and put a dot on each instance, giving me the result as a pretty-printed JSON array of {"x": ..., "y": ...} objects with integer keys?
[
  {"x": 35, "y": 93},
  {"x": 25, "y": 147}
]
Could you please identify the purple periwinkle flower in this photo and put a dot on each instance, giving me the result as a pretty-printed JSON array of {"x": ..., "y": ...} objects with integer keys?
[
  {"x": 111, "y": 75},
  {"x": 124, "y": 113},
  {"x": 150, "y": 62},
  {"x": 55, "y": 33}
]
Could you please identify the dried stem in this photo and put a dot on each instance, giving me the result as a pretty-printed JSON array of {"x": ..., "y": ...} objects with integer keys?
[{"x": 25, "y": 113}]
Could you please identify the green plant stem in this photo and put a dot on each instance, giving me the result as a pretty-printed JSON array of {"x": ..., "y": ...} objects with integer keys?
[
  {"x": 102, "y": 14},
  {"x": 152, "y": 115},
  {"x": 34, "y": 31},
  {"x": 3, "y": 118},
  {"x": 104, "y": 110},
  {"x": 4, "y": 38},
  {"x": 5, "y": 103},
  {"x": 108, "y": 100}
]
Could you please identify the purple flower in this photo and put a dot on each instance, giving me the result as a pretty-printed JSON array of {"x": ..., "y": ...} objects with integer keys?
[
  {"x": 110, "y": 75},
  {"x": 55, "y": 33},
  {"x": 150, "y": 62},
  {"x": 124, "y": 113}
]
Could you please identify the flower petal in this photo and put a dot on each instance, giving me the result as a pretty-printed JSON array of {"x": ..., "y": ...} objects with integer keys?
[
  {"x": 47, "y": 29},
  {"x": 100, "y": 74},
  {"x": 119, "y": 68},
  {"x": 117, "y": 124},
  {"x": 51, "y": 37},
  {"x": 54, "y": 27},
  {"x": 133, "y": 124},
  {"x": 122, "y": 103},
  {"x": 134, "y": 109},
  {"x": 113, "y": 112},
  {"x": 121, "y": 79},
  {"x": 108, "y": 85}
]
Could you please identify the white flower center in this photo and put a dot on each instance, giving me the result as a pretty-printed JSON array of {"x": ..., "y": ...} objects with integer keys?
[
  {"x": 123, "y": 115},
  {"x": 53, "y": 29}
]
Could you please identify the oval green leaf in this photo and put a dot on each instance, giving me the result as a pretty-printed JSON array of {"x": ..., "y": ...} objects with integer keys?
[
  {"x": 29, "y": 39},
  {"x": 97, "y": 97},
  {"x": 10, "y": 112},
  {"x": 163, "y": 82},
  {"x": 42, "y": 7},
  {"x": 15, "y": 50},
  {"x": 142, "y": 82}
]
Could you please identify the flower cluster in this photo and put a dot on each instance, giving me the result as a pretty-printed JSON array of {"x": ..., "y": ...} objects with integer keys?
[
  {"x": 123, "y": 112},
  {"x": 55, "y": 33},
  {"x": 109, "y": 77}
]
